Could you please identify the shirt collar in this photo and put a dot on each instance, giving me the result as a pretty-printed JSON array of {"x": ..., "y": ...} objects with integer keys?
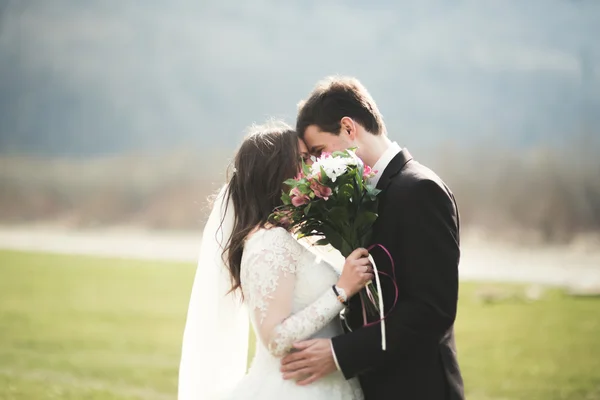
[{"x": 384, "y": 161}]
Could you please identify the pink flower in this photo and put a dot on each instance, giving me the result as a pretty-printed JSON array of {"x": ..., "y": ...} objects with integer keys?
[
  {"x": 368, "y": 172},
  {"x": 316, "y": 178},
  {"x": 321, "y": 191},
  {"x": 298, "y": 198}
]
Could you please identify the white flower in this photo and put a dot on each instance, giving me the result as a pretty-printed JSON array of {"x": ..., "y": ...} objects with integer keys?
[
  {"x": 352, "y": 153},
  {"x": 334, "y": 167}
]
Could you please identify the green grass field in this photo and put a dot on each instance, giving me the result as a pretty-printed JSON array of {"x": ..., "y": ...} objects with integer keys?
[{"x": 76, "y": 327}]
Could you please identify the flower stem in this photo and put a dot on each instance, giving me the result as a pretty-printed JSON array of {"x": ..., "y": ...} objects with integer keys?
[{"x": 371, "y": 302}]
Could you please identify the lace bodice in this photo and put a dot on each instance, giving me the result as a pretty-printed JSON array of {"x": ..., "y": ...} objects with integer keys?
[
  {"x": 287, "y": 292},
  {"x": 288, "y": 295}
]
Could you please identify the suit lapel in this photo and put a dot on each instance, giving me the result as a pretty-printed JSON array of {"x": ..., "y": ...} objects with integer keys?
[{"x": 393, "y": 168}]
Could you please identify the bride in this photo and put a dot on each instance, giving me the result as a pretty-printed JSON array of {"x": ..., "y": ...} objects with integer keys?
[{"x": 248, "y": 267}]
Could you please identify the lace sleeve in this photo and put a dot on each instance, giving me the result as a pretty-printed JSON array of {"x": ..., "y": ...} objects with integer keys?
[{"x": 268, "y": 286}]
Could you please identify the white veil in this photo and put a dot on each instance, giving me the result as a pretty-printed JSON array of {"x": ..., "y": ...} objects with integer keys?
[{"x": 215, "y": 341}]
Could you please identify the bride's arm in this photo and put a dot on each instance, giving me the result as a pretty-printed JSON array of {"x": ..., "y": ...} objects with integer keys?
[
  {"x": 269, "y": 292},
  {"x": 285, "y": 331}
]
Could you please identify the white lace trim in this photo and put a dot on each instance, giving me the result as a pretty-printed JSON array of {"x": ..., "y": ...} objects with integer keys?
[{"x": 304, "y": 323}]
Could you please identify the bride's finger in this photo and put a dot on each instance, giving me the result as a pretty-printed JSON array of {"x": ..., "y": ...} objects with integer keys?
[{"x": 363, "y": 261}]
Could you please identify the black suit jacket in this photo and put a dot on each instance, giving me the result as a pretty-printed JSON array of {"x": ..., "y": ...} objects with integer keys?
[{"x": 419, "y": 224}]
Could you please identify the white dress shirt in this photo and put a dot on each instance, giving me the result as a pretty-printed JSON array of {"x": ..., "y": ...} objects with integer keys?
[
  {"x": 378, "y": 168},
  {"x": 384, "y": 161}
]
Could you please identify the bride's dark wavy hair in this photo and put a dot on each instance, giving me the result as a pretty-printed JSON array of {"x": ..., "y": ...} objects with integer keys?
[{"x": 268, "y": 156}]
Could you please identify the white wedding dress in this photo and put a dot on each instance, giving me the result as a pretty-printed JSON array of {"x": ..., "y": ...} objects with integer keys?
[{"x": 288, "y": 294}]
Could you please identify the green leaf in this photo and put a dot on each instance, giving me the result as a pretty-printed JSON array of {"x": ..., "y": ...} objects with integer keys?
[
  {"x": 345, "y": 192},
  {"x": 345, "y": 153},
  {"x": 304, "y": 188},
  {"x": 338, "y": 214},
  {"x": 306, "y": 169},
  {"x": 322, "y": 242},
  {"x": 334, "y": 238},
  {"x": 307, "y": 208},
  {"x": 366, "y": 238},
  {"x": 340, "y": 153},
  {"x": 346, "y": 249},
  {"x": 324, "y": 176},
  {"x": 301, "y": 234},
  {"x": 365, "y": 220},
  {"x": 372, "y": 191}
]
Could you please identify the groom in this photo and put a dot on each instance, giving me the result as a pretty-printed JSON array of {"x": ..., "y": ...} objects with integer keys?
[{"x": 419, "y": 224}]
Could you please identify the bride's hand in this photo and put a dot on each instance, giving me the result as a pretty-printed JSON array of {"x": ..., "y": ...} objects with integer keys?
[{"x": 357, "y": 272}]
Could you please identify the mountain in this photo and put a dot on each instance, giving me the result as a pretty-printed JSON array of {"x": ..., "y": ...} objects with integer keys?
[{"x": 111, "y": 76}]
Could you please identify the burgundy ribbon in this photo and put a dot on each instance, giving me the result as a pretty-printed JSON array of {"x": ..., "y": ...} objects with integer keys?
[{"x": 392, "y": 278}]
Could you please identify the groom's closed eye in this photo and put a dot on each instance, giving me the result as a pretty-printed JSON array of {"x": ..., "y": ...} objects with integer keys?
[{"x": 317, "y": 150}]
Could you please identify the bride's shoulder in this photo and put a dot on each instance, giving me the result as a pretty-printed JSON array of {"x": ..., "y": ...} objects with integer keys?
[
  {"x": 272, "y": 249},
  {"x": 273, "y": 238},
  {"x": 268, "y": 233}
]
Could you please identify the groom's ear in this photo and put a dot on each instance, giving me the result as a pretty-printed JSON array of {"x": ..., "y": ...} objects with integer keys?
[{"x": 348, "y": 127}]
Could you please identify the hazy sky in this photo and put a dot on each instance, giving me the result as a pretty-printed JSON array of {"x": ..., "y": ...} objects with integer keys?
[{"x": 147, "y": 74}]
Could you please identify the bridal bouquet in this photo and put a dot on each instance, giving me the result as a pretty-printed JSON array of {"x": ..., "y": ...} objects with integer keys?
[{"x": 332, "y": 200}]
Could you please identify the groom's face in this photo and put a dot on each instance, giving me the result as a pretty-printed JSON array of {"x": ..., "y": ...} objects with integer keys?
[{"x": 318, "y": 141}]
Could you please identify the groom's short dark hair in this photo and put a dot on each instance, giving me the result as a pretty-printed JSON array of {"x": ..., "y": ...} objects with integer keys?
[{"x": 337, "y": 97}]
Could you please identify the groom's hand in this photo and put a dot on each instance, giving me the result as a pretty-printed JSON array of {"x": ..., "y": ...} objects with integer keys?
[{"x": 311, "y": 362}]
